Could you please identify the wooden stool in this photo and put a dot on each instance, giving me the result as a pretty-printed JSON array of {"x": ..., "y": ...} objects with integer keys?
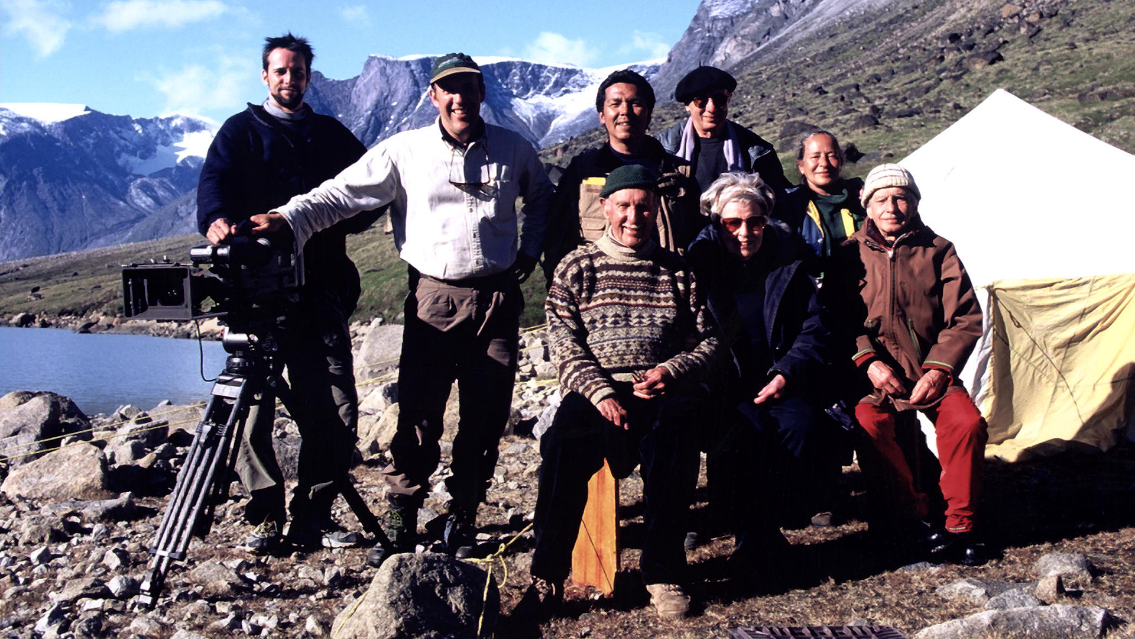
[{"x": 595, "y": 558}]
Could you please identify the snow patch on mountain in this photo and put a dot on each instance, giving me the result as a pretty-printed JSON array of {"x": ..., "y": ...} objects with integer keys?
[
  {"x": 193, "y": 144},
  {"x": 46, "y": 112}
]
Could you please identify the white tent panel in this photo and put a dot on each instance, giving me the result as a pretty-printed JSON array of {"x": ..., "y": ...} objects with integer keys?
[{"x": 1024, "y": 195}]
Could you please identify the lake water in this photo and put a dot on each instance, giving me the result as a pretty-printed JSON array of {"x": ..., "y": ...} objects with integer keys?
[{"x": 101, "y": 372}]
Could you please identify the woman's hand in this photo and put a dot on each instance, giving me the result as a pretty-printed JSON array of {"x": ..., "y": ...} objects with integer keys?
[{"x": 772, "y": 390}]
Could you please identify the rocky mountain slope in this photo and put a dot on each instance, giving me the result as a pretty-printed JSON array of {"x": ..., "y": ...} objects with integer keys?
[
  {"x": 545, "y": 103},
  {"x": 74, "y": 179}
]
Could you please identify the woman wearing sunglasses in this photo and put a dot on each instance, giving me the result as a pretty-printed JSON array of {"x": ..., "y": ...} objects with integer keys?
[{"x": 758, "y": 291}]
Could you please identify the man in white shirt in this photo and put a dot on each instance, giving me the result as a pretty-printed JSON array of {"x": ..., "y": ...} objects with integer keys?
[{"x": 452, "y": 188}]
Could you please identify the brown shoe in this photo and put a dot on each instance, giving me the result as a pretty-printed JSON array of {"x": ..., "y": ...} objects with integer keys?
[{"x": 669, "y": 600}]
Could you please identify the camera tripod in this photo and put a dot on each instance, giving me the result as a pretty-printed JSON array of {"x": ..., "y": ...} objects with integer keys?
[{"x": 252, "y": 369}]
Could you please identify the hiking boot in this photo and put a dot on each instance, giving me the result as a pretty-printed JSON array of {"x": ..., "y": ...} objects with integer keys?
[
  {"x": 459, "y": 536},
  {"x": 312, "y": 534},
  {"x": 265, "y": 538},
  {"x": 959, "y": 548},
  {"x": 401, "y": 522},
  {"x": 541, "y": 601},
  {"x": 823, "y": 519},
  {"x": 669, "y": 600}
]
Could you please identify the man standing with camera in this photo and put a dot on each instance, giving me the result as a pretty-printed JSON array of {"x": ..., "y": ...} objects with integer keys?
[
  {"x": 452, "y": 188},
  {"x": 259, "y": 159}
]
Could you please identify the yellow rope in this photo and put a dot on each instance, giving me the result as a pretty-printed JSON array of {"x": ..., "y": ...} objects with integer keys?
[
  {"x": 490, "y": 561},
  {"x": 103, "y": 427},
  {"x": 89, "y": 441},
  {"x": 350, "y": 613}
]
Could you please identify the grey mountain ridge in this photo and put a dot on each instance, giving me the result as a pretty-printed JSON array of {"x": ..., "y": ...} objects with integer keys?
[{"x": 97, "y": 180}]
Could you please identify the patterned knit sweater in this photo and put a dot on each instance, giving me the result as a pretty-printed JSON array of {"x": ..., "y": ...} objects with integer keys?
[{"x": 614, "y": 313}]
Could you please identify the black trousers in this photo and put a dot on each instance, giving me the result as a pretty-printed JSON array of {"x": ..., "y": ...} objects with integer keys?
[
  {"x": 662, "y": 437},
  {"x": 315, "y": 343}
]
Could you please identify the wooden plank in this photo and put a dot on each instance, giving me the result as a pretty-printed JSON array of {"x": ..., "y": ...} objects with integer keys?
[{"x": 595, "y": 559}]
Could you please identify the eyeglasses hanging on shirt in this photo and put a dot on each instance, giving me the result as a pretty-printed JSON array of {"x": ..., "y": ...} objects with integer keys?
[{"x": 470, "y": 171}]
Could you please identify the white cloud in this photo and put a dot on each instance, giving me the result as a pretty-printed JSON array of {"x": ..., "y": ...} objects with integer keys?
[
  {"x": 647, "y": 41},
  {"x": 124, "y": 15},
  {"x": 195, "y": 88},
  {"x": 40, "y": 22},
  {"x": 356, "y": 15},
  {"x": 552, "y": 47}
]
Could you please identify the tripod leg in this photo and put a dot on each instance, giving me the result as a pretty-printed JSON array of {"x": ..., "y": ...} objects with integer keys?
[
  {"x": 363, "y": 513},
  {"x": 212, "y": 440}
]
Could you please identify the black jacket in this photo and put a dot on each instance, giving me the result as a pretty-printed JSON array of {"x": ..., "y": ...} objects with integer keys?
[
  {"x": 759, "y": 156},
  {"x": 255, "y": 164},
  {"x": 679, "y": 193},
  {"x": 796, "y": 333}
]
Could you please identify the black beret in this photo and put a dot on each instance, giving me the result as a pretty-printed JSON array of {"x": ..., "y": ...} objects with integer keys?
[{"x": 701, "y": 82}]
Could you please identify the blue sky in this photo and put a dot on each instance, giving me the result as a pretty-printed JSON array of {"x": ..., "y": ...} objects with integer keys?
[{"x": 150, "y": 57}]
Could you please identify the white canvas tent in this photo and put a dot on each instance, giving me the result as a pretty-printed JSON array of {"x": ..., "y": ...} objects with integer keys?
[{"x": 1040, "y": 217}]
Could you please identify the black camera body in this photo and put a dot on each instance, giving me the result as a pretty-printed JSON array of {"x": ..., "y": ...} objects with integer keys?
[{"x": 241, "y": 277}]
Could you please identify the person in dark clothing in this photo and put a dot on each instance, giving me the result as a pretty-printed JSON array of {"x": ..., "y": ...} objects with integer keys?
[
  {"x": 712, "y": 143},
  {"x": 625, "y": 102},
  {"x": 824, "y": 210},
  {"x": 769, "y": 315},
  {"x": 259, "y": 159}
]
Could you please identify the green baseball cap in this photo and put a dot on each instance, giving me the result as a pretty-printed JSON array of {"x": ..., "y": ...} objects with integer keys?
[{"x": 452, "y": 63}]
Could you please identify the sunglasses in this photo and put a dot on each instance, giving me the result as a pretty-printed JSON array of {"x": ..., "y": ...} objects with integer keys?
[
  {"x": 718, "y": 99},
  {"x": 732, "y": 224}
]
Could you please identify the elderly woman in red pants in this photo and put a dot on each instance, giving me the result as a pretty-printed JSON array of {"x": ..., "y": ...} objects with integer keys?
[{"x": 922, "y": 322}]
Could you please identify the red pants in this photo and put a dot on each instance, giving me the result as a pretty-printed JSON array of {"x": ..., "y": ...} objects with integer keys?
[{"x": 960, "y": 432}]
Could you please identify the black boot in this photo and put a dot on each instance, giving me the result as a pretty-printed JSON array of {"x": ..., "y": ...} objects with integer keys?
[
  {"x": 401, "y": 526},
  {"x": 963, "y": 548},
  {"x": 459, "y": 536}
]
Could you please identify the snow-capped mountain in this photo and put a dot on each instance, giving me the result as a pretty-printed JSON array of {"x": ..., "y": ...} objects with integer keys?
[
  {"x": 545, "y": 103},
  {"x": 73, "y": 178}
]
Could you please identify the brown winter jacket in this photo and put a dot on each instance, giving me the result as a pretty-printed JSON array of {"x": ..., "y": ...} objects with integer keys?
[{"x": 921, "y": 309}]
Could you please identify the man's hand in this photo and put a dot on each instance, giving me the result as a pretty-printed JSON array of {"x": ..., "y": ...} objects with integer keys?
[
  {"x": 653, "y": 383},
  {"x": 772, "y": 390},
  {"x": 221, "y": 231},
  {"x": 266, "y": 223},
  {"x": 884, "y": 379},
  {"x": 930, "y": 387},
  {"x": 613, "y": 412},
  {"x": 523, "y": 266}
]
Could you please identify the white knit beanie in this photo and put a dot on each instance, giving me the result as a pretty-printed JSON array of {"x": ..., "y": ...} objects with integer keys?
[{"x": 886, "y": 176}]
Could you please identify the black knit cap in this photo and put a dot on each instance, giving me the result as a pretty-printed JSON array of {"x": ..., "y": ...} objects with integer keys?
[
  {"x": 629, "y": 176},
  {"x": 452, "y": 63},
  {"x": 701, "y": 82}
]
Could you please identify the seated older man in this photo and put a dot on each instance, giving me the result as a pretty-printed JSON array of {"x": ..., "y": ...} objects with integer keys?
[
  {"x": 632, "y": 340},
  {"x": 922, "y": 322}
]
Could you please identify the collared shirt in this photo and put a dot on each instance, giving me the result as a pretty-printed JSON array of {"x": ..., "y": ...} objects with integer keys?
[{"x": 453, "y": 208}]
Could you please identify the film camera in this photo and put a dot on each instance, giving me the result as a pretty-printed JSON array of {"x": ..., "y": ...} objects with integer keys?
[
  {"x": 247, "y": 286},
  {"x": 243, "y": 275}
]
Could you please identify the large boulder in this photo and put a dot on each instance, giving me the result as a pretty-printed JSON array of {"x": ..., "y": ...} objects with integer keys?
[
  {"x": 376, "y": 434},
  {"x": 379, "y": 351},
  {"x": 31, "y": 422},
  {"x": 74, "y": 472},
  {"x": 1045, "y": 622},
  {"x": 421, "y": 596}
]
